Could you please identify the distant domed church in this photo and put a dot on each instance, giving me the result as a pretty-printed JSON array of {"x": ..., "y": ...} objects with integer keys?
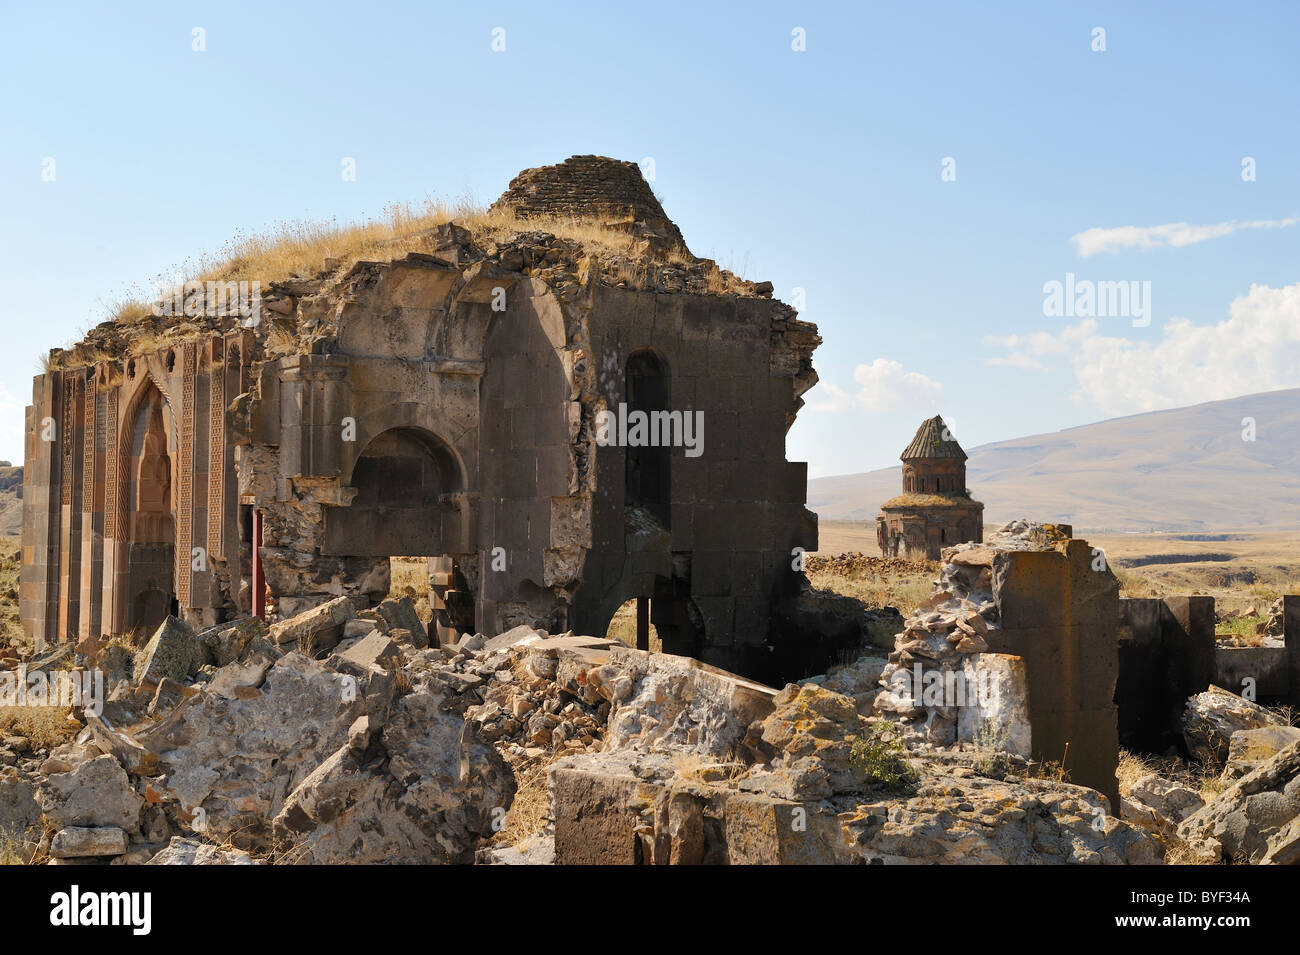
[{"x": 935, "y": 510}]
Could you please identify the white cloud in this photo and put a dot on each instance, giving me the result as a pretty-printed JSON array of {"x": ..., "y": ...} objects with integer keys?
[
  {"x": 1017, "y": 359},
  {"x": 1171, "y": 235},
  {"x": 1027, "y": 350},
  {"x": 1256, "y": 348},
  {"x": 882, "y": 386}
]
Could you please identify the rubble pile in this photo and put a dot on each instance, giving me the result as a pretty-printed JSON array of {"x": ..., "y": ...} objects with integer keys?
[
  {"x": 1211, "y": 719},
  {"x": 946, "y": 636},
  {"x": 362, "y": 754},
  {"x": 1250, "y": 811},
  {"x": 1273, "y": 625},
  {"x": 1254, "y": 821},
  {"x": 797, "y": 787},
  {"x": 343, "y": 737},
  {"x": 327, "y": 737}
]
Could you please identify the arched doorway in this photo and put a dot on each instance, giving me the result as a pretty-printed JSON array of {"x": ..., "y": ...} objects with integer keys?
[
  {"x": 150, "y": 514},
  {"x": 405, "y": 511},
  {"x": 403, "y": 478}
]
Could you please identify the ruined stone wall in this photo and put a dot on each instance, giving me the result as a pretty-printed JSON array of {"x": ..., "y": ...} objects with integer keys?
[
  {"x": 920, "y": 531},
  {"x": 934, "y": 476},
  {"x": 538, "y": 512},
  {"x": 1058, "y": 609},
  {"x": 87, "y": 549},
  {"x": 725, "y": 556},
  {"x": 591, "y": 187},
  {"x": 1166, "y": 654},
  {"x": 441, "y": 405}
]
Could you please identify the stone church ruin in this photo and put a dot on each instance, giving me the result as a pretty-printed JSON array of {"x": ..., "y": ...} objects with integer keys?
[
  {"x": 442, "y": 404},
  {"x": 935, "y": 509}
]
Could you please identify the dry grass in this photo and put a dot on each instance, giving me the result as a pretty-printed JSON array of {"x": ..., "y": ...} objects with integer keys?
[
  {"x": 17, "y": 850},
  {"x": 631, "y": 272},
  {"x": 904, "y": 591},
  {"x": 1289, "y": 715},
  {"x": 1204, "y": 778},
  {"x": 1180, "y": 853},
  {"x": 1050, "y": 770},
  {"x": 11, "y": 628},
  {"x": 1131, "y": 768},
  {"x": 530, "y": 808},
  {"x": 409, "y": 577},
  {"x": 303, "y": 248},
  {"x": 694, "y": 767},
  {"x": 1134, "y": 584},
  {"x": 129, "y": 311},
  {"x": 622, "y": 627},
  {"x": 1263, "y": 566},
  {"x": 45, "y": 727}
]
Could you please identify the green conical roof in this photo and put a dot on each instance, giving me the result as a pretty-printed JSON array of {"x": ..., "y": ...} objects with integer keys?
[{"x": 931, "y": 443}]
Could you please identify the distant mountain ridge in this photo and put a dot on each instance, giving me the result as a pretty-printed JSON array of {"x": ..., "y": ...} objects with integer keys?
[{"x": 1181, "y": 470}]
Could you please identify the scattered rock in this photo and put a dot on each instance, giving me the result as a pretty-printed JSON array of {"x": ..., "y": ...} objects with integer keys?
[
  {"x": 78, "y": 841},
  {"x": 1159, "y": 804},
  {"x": 174, "y": 652},
  {"x": 316, "y": 630},
  {"x": 183, "y": 851},
  {"x": 228, "y": 642},
  {"x": 237, "y": 758},
  {"x": 1210, "y": 718},
  {"x": 1249, "y": 748},
  {"x": 398, "y": 613},
  {"x": 95, "y": 794},
  {"x": 1256, "y": 820},
  {"x": 20, "y": 814}
]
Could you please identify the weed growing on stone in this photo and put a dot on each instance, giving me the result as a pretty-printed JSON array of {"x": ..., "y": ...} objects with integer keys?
[
  {"x": 879, "y": 754},
  {"x": 990, "y": 747}
]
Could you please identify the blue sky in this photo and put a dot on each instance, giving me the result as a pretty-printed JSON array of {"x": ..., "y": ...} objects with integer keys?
[{"x": 818, "y": 170}]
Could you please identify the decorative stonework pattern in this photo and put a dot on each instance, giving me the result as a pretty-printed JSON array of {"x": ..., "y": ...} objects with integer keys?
[
  {"x": 65, "y": 439},
  {"x": 113, "y": 493},
  {"x": 88, "y": 446},
  {"x": 185, "y": 497},
  {"x": 216, "y": 452}
]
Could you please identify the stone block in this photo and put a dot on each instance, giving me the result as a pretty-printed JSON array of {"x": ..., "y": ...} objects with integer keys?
[
  {"x": 763, "y": 830},
  {"x": 597, "y": 815},
  {"x": 77, "y": 841},
  {"x": 375, "y": 650},
  {"x": 997, "y": 703},
  {"x": 398, "y": 613},
  {"x": 316, "y": 630},
  {"x": 173, "y": 652}
]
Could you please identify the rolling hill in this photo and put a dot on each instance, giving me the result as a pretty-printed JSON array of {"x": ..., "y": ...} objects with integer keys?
[
  {"x": 1183, "y": 470},
  {"x": 11, "y": 500}
]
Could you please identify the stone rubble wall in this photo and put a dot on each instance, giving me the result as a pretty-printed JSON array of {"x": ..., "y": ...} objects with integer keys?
[{"x": 591, "y": 187}]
